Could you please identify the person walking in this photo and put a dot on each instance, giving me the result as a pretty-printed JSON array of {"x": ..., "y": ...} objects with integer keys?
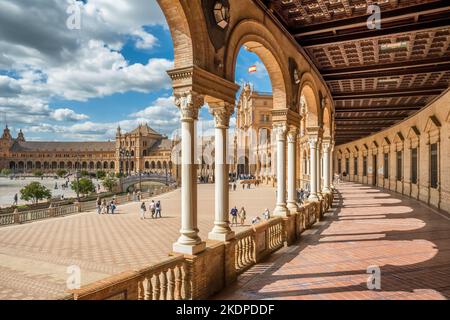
[
  {"x": 103, "y": 207},
  {"x": 153, "y": 208},
  {"x": 158, "y": 209},
  {"x": 113, "y": 206},
  {"x": 143, "y": 210},
  {"x": 99, "y": 205},
  {"x": 16, "y": 199},
  {"x": 242, "y": 215},
  {"x": 234, "y": 214},
  {"x": 234, "y": 186},
  {"x": 266, "y": 214}
]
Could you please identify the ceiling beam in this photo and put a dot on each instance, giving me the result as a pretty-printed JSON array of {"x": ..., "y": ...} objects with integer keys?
[
  {"x": 387, "y": 66},
  {"x": 379, "y": 109},
  {"x": 361, "y": 21},
  {"x": 390, "y": 93},
  {"x": 309, "y": 42},
  {"x": 387, "y": 73}
]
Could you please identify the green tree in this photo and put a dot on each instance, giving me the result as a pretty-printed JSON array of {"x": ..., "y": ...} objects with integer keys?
[
  {"x": 85, "y": 186},
  {"x": 84, "y": 173},
  {"x": 35, "y": 191},
  {"x": 110, "y": 183},
  {"x": 100, "y": 174},
  {"x": 61, "y": 173},
  {"x": 6, "y": 172},
  {"x": 38, "y": 173},
  {"x": 120, "y": 175}
]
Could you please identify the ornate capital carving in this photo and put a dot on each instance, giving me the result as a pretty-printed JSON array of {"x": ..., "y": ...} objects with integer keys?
[
  {"x": 292, "y": 134},
  {"x": 222, "y": 115},
  {"x": 313, "y": 140},
  {"x": 280, "y": 130},
  {"x": 189, "y": 103}
]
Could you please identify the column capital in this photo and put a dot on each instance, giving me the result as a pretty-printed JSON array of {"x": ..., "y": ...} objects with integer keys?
[
  {"x": 280, "y": 130},
  {"x": 292, "y": 134},
  {"x": 222, "y": 113},
  {"x": 313, "y": 140},
  {"x": 189, "y": 103}
]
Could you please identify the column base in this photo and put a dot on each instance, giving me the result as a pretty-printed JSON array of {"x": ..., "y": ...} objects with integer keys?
[
  {"x": 221, "y": 236},
  {"x": 281, "y": 211},
  {"x": 189, "y": 249}
]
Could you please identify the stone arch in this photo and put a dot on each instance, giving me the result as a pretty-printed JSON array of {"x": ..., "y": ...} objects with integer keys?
[
  {"x": 147, "y": 165},
  {"x": 188, "y": 30},
  {"x": 153, "y": 165},
  {"x": 99, "y": 165},
  {"x": 38, "y": 165},
  {"x": 259, "y": 40},
  {"x": 105, "y": 165},
  {"x": 327, "y": 122},
  {"x": 112, "y": 165},
  {"x": 309, "y": 96},
  {"x": 62, "y": 165}
]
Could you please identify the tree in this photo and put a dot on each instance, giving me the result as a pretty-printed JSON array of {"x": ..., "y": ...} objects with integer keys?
[
  {"x": 38, "y": 173},
  {"x": 84, "y": 186},
  {"x": 100, "y": 174},
  {"x": 84, "y": 173},
  {"x": 110, "y": 183},
  {"x": 6, "y": 172},
  {"x": 35, "y": 191},
  {"x": 61, "y": 173}
]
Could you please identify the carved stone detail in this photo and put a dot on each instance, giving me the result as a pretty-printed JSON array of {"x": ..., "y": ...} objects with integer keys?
[{"x": 189, "y": 103}]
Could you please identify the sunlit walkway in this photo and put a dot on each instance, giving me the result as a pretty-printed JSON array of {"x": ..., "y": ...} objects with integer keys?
[
  {"x": 34, "y": 257},
  {"x": 369, "y": 227}
]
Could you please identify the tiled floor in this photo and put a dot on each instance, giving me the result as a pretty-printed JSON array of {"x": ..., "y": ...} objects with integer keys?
[
  {"x": 34, "y": 257},
  {"x": 409, "y": 242}
]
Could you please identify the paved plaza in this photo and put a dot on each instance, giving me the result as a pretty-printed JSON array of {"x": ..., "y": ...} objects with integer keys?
[
  {"x": 34, "y": 257},
  {"x": 370, "y": 227}
]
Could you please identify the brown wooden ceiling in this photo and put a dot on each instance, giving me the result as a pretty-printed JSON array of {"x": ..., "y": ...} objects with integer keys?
[{"x": 377, "y": 76}]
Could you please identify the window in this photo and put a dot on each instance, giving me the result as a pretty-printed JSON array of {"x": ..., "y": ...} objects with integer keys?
[
  {"x": 364, "y": 166},
  {"x": 347, "y": 165},
  {"x": 355, "y": 166},
  {"x": 339, "y": 166},
  {"x": 414, "y": 165},
  {"x": 386, "y": 166},
  {"x": 399, "y": 166},
  {"x": 434, "y": 165}
]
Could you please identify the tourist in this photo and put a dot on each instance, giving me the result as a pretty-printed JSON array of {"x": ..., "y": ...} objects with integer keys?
[
  {"x": 113, "y": 206},
  {"x": 242, "y": 215},
  {"x": 152, "y": 208},
  {"x": 256, "y": 220},
  {"x": 234, "y": 186},
  {"x": 158, "y": 209},
  {"x": 16, "y": 200},
  {"x": 99, "y": 205},
  {"x": 103, "y": 207},
  {"x": 143, "y": 210},
  {"x": 134, "y": 195},
  {"x": 234, "y": 214},
  {"x": 266, "y": 214}
]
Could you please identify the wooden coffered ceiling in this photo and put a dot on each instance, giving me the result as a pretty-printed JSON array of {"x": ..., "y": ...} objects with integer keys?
[{"x": 377, "y": 76}]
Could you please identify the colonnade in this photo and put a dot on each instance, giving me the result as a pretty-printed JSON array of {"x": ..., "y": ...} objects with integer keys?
[{"x": 286, "y": 136}]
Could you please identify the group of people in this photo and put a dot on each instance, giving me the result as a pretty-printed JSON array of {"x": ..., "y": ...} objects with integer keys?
[
  {"x": 154, "y": 208},
  {"x": 104, "y": 207},
  {"x": 302, "y": 195},
  {"x": 242, "y": 215}
]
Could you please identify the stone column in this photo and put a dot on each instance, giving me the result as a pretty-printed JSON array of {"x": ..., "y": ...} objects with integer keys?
[
  {"x": 313, "y": 177},
  {"x": 331, "y": 168},
  {"x": 292, "y": 164},
  {"x": 319, "y": 167},
  {"x": 189, "y": 242},
  {"x": 221, "y": 230},
  {"x": 326, "y": 167},
  {"x": 281, "y": 209}
]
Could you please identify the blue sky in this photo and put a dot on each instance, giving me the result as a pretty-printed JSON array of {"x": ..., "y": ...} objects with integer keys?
[{"x": 62, "y": 84}]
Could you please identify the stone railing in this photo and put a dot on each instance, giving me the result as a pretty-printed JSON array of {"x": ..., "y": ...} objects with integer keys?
[
  {"x": 33, "y": 215},
  {"x": 198, "y": 277},
  {"x": 168, "y": 280}
]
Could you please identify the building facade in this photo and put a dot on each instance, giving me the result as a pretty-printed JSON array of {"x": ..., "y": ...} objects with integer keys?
[{"x": 141, "y": 150}]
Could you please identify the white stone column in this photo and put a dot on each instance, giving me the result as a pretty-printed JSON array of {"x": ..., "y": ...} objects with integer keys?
[
  {"x": 189, "y": 242},
  {"x": 292, "y": 152},
  {"x": 221, "y": 230},
  {"x": 313, "y": 177},
  {"x": 332, "y": 165},
  {"x": 281, "y": 209},
  {"x": 326, "y": 167}
]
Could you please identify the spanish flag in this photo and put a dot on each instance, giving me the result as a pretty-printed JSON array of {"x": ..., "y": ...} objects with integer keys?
[{"x": 252, "y": 69}]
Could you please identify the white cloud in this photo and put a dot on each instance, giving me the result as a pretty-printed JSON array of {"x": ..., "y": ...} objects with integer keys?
[{"x": 66, "y": 114}]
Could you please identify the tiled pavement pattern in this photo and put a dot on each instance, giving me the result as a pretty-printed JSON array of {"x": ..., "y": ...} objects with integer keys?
[
  {"x": 408, "y": 241},
  {"x": 34, "y": 257}
]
